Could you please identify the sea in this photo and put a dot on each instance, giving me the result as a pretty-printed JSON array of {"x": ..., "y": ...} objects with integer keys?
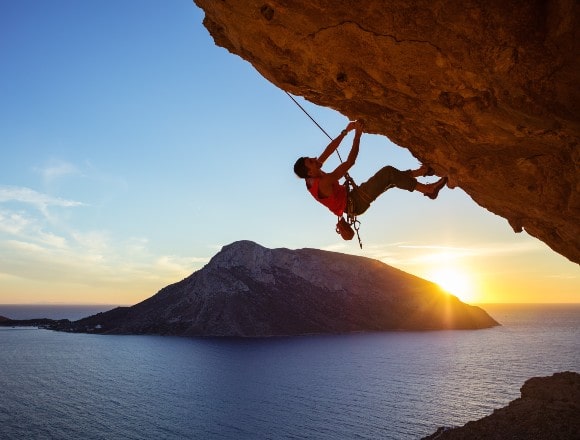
[{"x": 387, "y": 385}]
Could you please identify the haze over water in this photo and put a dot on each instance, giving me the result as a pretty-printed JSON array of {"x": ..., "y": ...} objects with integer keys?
[{"x": 392, "y": 385}]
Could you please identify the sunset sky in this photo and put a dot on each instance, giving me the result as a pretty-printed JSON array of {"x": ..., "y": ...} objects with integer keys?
[{"x": 133, "y": 149}]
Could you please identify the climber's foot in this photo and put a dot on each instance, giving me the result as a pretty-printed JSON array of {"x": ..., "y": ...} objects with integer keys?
[{"x": 435, "y": 188}]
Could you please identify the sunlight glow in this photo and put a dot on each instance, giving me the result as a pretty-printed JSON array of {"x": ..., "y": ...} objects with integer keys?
[{"x": 455, "y": 281}]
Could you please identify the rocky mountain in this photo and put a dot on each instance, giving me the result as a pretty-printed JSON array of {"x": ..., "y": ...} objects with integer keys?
[
  {"x": 249, "y": 290},
  {"x": 549, "y": 409},
  {"x": 484, "y": 91}
]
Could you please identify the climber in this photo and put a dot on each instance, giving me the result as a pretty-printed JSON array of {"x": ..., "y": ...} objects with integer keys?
[{"x": 326, "y": 189}]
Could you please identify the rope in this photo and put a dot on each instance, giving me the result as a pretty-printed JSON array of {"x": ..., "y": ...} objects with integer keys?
[
  {"x": 307, "y": 114},
  {"x": 312, "y": 119},
  {"x": 352, "y": 220}
]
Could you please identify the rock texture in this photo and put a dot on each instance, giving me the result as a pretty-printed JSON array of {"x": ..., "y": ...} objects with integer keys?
[
  {"x": 549, "y": 409},
  {"x": 484, "y": 90},
  {"x": 249, "y": 290}
]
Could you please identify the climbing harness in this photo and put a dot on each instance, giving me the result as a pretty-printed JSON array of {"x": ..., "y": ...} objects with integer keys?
[
  {"x": 344, "y": 227},
  {"x": 350, "y": 214}
]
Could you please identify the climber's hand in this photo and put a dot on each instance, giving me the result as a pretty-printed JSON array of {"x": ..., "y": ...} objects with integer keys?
[{"x": 351, "y": 126}]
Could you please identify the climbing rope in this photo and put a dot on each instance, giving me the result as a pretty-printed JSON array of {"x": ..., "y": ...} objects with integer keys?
[
  {"x": 349, "y": 181},
  {"x": 307, "y": 114},
  {"x": 313, "y": 120}
]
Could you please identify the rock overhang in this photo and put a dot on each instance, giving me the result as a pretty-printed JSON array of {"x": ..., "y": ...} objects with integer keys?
[{"x": 485, "y": 92}]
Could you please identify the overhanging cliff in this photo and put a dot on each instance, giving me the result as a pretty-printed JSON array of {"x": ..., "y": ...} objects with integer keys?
[{"x": 486, "y": 91}]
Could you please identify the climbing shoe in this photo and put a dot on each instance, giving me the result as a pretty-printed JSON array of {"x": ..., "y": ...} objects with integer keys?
[{"x": 436, "y": 188}]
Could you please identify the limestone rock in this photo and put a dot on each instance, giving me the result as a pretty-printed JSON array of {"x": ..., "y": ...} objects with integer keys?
[
  {"x": 484, "y": 91},
  {"x": 548, "y": 410},
  {"x": 248, "y": 290}
]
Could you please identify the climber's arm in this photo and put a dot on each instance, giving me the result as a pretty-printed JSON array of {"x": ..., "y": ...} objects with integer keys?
[
  {"x": 331, "y": 148},
  {"x": 343, "y": 168}
]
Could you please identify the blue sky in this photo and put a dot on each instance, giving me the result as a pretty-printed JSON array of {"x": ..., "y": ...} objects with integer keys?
[{"x": 133, "y": 149}]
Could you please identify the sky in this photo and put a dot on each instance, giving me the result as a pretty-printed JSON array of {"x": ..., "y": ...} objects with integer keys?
[{"x": 133, "y": 149}]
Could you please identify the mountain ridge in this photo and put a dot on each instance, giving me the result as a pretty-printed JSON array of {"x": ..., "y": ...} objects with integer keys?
[{"x": 247, "y": 290}]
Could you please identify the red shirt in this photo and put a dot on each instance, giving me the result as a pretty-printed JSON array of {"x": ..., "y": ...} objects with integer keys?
[{"x": 335, "y": 202}]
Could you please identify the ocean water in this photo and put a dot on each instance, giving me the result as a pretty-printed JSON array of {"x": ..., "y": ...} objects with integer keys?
[{"x": 392, "y": 385}]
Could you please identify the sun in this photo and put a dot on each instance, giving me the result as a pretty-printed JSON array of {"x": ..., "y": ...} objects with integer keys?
[{"x": 455, "y": 281}]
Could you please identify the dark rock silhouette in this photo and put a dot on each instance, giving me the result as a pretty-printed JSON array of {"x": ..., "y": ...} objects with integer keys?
[
  {"x": 34, "y": 322},
  {"x": 549, "y": 409},
  {"x": 249, "y": 290},
  {"x": 484, "y": 91}
]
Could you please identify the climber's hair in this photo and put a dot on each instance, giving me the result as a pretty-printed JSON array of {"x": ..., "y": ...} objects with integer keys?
[{"x": 300, "y": 168}]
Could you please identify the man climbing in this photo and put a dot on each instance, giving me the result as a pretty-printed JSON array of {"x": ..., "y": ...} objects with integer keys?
[{"x": 326, "y": 189}]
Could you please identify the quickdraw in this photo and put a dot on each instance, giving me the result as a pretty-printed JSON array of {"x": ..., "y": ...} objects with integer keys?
[{"x": 350, "y": 214}]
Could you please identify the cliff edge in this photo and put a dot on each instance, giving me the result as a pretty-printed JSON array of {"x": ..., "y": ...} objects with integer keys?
[
  {"x": 548, "y": 410},
  {"x": 484, "y": 91}
]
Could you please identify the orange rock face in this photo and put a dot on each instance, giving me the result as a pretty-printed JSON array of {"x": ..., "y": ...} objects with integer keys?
[{"x": 487, "y": 92}]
